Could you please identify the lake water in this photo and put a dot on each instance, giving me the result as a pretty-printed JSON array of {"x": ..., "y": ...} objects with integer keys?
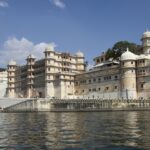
[{"x": 75, "y": 131}]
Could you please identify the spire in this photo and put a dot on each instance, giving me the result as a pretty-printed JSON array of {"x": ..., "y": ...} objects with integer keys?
[
  {"x": 79, "y": 50},
  {"x": 127, "y": 49}
]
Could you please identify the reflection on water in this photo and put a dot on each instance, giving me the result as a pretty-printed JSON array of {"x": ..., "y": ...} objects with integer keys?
[{"x": 75, "y": 131}]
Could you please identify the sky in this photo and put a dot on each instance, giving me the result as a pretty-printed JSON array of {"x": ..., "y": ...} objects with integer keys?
[{"x": 91, "y": 26}]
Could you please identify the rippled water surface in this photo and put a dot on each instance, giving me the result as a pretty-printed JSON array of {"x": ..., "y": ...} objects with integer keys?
[{"x": 75, "y": 131}]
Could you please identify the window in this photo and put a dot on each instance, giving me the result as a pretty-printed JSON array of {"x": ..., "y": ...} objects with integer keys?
[
  {"x": 142, "y": 85},
  {"x": 94, "y": 80},
  {"x": 99, "y": 79},
  {"x": 131, "y": 62},
  {"x": 89, "y": 81},
  {"x": 115, "y": 87},
  {"x": 116, "y": 77},
  {"x": 57, "y": 77},
  {"x": 94, "y": 89},
  {"x": 99, "y": 89},
  {"x": 107, "y": 78},
  {"x": 148, "y": 41},
  {"x": 97, "y": 61},
  {"x": 107, "y": 88},
  {"x": 89, "y": 90},
  {"x": 142, "y": 61}
]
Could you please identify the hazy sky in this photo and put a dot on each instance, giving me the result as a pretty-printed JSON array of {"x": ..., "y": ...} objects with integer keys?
[{"x": 93, "y": 26}]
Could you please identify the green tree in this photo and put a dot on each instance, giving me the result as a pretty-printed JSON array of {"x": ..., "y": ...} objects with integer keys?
[{"x": 120, "y": 47}]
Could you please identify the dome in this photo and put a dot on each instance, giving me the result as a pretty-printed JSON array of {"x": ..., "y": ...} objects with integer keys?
[
  {"x": 12, "y": 63},
  {"x": 49, "y": 48},
  {"x": 146, "y": 34},
  {"x": 31, "y": 56},
  {"x": 128, "y": 56},
  {"x": 79, "y": 54}
]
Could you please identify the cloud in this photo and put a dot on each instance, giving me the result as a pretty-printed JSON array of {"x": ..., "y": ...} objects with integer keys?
[
  {"x": 3, "y": 3},
  {"x": 19, "y": 49},
  {"x": 58, "y": 3}
]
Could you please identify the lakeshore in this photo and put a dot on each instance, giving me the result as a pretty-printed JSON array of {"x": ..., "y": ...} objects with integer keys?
[{"x": 72, "y": 105}]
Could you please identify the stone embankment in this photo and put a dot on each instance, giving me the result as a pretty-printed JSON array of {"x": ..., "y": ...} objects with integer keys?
[{"x": 67, "y": 105}]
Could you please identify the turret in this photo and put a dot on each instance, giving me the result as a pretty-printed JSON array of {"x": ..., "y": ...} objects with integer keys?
[
  {"x": 11, "y": 68},
  {"x": 49, "y": 51},
  {"x": 49, "y": 71},
  {"x": 128, "y": 75},
  {"x": 30, "y": 77},
  {"x": 80, "y": 61},
  {"x": 146, "y": 42}
]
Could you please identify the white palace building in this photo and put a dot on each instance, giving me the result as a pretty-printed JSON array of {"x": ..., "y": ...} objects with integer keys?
[{"x": 63, "y": 75}]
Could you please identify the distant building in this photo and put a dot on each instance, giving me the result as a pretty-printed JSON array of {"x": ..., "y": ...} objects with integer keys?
[
  {"x": 3, "y": 82},
  {"x": 63, "y": 75}
]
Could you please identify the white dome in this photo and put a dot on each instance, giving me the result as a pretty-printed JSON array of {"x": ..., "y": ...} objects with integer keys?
[
  {"x": 128, "y": 56},
  {"x": 49, "y": 48},
  {"x": 31, "y": 56},
  {"x": 12, "y": 63},
  {"x": 79, "y": 54},
  {"x": 146, "y": 34}
]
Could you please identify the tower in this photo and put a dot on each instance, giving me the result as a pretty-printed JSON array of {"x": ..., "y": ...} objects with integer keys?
[
  {"x": 11, "y": 68},
  {"x": 80, "y": 61},
  {"x": 30, "y": 77},
  {"x": 146, "y": 42},
  {"x": 49, "y": 71},
  {"x": 128, "y": 75}
]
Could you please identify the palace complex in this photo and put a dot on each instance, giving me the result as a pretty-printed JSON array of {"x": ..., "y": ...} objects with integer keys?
[{"x": 63, "y": 75}]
